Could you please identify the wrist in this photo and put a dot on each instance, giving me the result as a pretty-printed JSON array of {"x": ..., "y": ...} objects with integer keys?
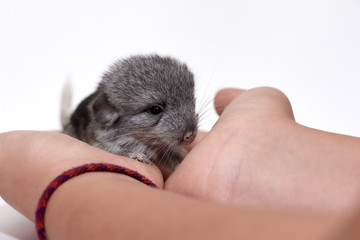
[
  {"x": 76, "y": 172},
  {"x": 100, "y": 192}
]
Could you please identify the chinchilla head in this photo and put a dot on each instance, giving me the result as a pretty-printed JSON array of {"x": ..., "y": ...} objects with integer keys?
[{"x": 148, "y": 99}]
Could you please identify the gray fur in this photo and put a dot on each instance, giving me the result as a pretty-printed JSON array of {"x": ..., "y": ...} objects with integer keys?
[{"x": 118, "y": 117}]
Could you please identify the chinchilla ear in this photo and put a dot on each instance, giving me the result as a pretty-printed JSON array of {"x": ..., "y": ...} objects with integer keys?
[{"x": 102, "y": 111}]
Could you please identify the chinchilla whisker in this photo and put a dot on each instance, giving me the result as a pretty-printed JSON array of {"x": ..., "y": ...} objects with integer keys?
[
  {"x": 166, "y": 155},
  {"x": 205, "y": 104}
]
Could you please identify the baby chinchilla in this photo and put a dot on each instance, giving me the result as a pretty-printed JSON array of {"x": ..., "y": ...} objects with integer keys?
[{"x": 144, "y": 108}]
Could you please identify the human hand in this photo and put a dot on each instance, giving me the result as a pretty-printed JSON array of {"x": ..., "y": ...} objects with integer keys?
[
  {"x": 257, "y": 155},
  {"x": 30, "y": 160}
]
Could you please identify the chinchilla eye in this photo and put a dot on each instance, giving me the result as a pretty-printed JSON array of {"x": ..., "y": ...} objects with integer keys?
[{"x": 155, "y": 110}]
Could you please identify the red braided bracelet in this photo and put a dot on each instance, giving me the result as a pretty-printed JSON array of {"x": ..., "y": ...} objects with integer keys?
[{"x": 92, "y": 167}]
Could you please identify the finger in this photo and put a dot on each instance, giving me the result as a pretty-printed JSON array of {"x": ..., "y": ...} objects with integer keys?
[
  {"x": 224, "y": 97},
  {"x": 261, "y": 101}
]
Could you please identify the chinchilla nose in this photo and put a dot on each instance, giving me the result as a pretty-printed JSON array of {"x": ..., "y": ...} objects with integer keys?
[{"x": 188, "y": 137}]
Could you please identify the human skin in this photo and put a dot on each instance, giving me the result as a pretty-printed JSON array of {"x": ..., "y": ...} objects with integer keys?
[
  {"x": 30, "y": 160},
  {"x": 251, "y": 157},
  {"x": 257, "y": 155},
  {"x": 110, "y": 206}
]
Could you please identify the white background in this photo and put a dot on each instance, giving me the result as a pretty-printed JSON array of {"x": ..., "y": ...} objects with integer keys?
[{"x": 309, "y": 49}]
